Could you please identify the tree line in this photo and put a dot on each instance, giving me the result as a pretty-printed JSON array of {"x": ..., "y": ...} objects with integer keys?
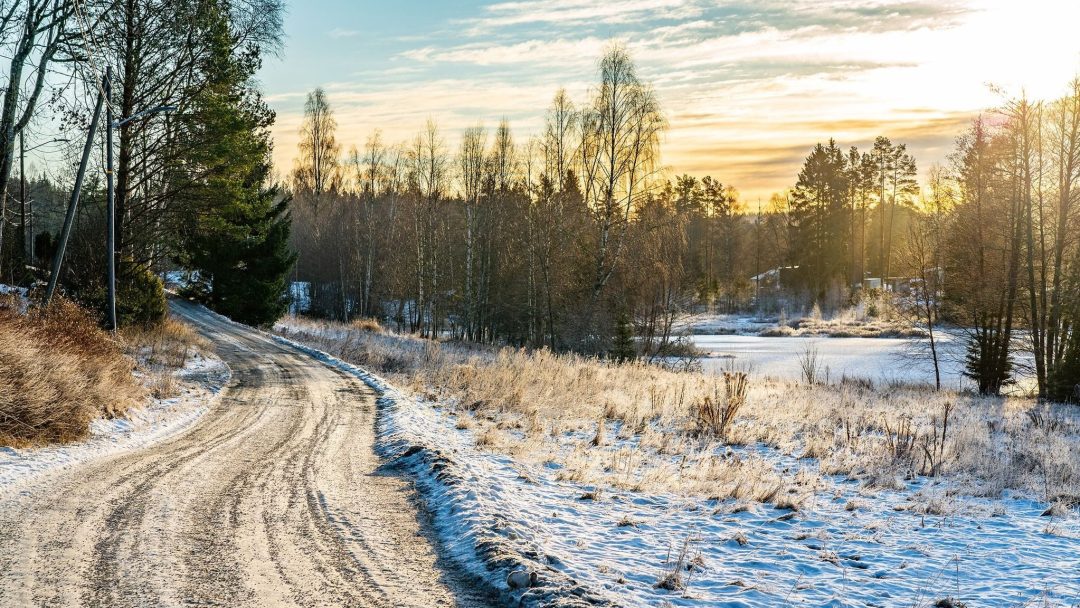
[
  {"x": 576, "y": 238},
  {"x": 567, "y": 240}
]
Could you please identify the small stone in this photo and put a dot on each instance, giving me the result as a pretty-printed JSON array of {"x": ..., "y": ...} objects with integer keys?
[{"x": 521, "y": 579}]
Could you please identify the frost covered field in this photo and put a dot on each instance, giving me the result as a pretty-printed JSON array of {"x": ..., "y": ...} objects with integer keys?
[
  {"x": 844, "y": 545},
  {"x": 614, "y": 484}
]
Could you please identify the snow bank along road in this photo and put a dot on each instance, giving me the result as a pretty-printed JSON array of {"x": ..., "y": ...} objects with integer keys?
[{"x": 275, "y": 498}]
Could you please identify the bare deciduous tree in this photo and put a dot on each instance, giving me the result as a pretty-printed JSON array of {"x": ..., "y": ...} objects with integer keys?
[{"x": 619, "y": 159}]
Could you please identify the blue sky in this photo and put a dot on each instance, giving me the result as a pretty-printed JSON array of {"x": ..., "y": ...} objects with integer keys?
[{"x": 748, "y": 86}]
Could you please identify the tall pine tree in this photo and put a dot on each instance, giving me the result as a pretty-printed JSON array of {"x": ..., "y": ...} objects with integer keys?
[
  {"x": 820, "y": 215},
  {"x": 237, "y": 230}
]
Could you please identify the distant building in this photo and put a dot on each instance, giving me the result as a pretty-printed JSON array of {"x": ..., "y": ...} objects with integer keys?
[{"x": 775, "y": 279}]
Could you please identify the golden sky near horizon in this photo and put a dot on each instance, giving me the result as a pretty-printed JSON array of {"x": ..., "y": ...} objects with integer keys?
[{"x": 748, "y": 87}]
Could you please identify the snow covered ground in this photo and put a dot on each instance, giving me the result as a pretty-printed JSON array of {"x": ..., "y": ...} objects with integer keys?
[
  {"x": 8, "y": 289},
  {"x": 880, "y": 360},
  {"x": 877, "y": 359},
  {"x": 843, "y": 548},
  {"x": 846, "y": 545},
  {"x": 200, "y": 380}
]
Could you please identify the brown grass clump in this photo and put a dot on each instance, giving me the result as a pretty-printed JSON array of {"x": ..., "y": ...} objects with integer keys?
[
  {"x": 58, "y": 372},
  {"x": 715, "y": 412},
  {"x": 367, "y": 324},
  {"x": 166, "y": 345}
]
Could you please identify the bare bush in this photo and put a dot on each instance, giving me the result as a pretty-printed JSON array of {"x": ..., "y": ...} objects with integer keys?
[
  {"x": 900, "y": 439},
  {"x": 811, "y": 366},
  {"x": 58, "y": 372},
  {"x": 715, "y": 412},
  {"x": 933, "y": 442}
]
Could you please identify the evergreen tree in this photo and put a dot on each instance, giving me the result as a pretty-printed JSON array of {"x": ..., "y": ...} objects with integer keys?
[
  {"x": 1065, "y": 377},
  {"x": 623, "y": 346},
  {"x": 236, "y": 235},
  {"x": 819, "y": 210}
]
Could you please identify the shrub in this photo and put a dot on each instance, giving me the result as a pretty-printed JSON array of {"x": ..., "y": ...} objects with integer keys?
[
  {"x": 367, "y": 324},
  {"x": 140, "y": 298},
  {"x": 715, "y": 412},
  {"x": 59, "y": 371},
  {"x": 811, "y": 366},
  {"x": 624, "y": 348}
]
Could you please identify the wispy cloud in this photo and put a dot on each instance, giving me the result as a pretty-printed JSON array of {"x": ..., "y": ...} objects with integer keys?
[
  {"x": 338, "y": 32},
  {"x": 534, "y": 52},
  {"x": 575, "y": 12},
  {"x": 748, "y": 85}
]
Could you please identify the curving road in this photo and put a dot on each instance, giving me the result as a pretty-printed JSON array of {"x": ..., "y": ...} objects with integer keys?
[{"x": 275, "y": 498}]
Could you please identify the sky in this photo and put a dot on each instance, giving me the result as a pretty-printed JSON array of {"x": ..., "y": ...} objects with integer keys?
[{"x": 748, "y": 87}]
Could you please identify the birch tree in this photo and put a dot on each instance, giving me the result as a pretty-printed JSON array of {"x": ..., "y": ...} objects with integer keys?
[{"x": 619, "y": 159}]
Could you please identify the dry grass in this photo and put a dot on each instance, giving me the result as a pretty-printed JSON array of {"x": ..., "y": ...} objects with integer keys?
[
  {"x": 546, "y": 406},
  {"x": 165, "y": 346},
  {"x": 678, "y": 569},
  {"x": 161, "y": 351},
  {"x": 715, "y": 414},
  {"x": 58, "y": 372},
  {"x": 367, "y": 324}
]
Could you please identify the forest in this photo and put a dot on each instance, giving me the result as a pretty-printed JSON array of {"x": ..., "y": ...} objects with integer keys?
[{"x": 579, "y": 238}]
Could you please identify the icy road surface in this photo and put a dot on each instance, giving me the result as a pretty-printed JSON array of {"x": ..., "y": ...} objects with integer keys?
[{"x": 274, "y": 498}]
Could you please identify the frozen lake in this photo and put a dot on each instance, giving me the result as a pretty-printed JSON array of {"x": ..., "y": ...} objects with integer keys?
[{"x": 876, "y": 359}]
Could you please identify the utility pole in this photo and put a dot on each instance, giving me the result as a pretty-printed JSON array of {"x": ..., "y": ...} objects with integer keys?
[
  {"x": 69, "y": 219},
  {"x": 22, "y": 197},
  {"x": 30, "y": 232},
  {"x": 110, "y": 211},
  {"x": 110, "y": 207},
  {"x": 757, "y": 257}
]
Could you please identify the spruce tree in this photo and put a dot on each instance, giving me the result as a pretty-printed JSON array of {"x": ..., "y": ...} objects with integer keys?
[
  {"x": 237, "y": 230},
  {"x": 1065, "y": 377},
  {"x": 623, "y": 347}
]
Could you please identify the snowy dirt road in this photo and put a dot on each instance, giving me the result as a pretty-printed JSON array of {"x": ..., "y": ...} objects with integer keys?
[{"x": 275, "y": 498}]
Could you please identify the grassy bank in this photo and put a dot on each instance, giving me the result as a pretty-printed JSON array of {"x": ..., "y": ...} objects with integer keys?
[
  {"x": 59, "y": 371},
  {"x": 644, "y": 426}
]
